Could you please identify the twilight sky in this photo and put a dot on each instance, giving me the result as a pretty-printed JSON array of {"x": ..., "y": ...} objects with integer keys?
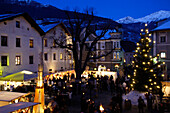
[{"x": 114, "y": 9}]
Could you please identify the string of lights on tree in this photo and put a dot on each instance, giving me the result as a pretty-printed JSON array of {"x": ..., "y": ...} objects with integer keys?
[{"x": 147, "y": 74}]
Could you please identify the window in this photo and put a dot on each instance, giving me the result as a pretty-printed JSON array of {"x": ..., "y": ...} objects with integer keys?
[
  {"x": 61, "y": 56},
  {"x": 114, "y": 45},
  {"x": 3, "y": 60},
  {"x": 163, "y": 38},
  {"x": 18, "y": 24},
  {"x": 54, "y": 56},
  {"x": 4, "y": 41},
  {"x": 18, "y": 60},
  {"x": 45, "y": 56},
  {"x": 18, "y": 42},
  {"x": 118, "y": 55},
  {"x": 45, "y": 42},
  {"x": 69, "y": 56},
  {"x": 117, "y": 44},
  {"x": 31, "y": 59},
  {"x": 163, "y": 55},
  {"x": 114, "y": 55},
  {"x": 31, "y": 43}
]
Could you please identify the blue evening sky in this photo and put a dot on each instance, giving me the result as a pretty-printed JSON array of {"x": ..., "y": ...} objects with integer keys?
[{"x": 114, "y": 9}]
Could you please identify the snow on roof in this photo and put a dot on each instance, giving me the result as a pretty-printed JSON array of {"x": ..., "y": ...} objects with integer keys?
[
  {"x": 46, "y": 28},
  {"x": 16, "y": 106},
  {"x": 107, "y": 34},
  {"x": 9, "y": 96},
  {"x": 5, "y": 16},
  {"x": 165, "y": 26},
  {"x": 134, "y": 96}
]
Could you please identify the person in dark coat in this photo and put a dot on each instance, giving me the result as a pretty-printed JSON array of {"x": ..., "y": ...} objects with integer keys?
[{"x": 141, "y": 104}]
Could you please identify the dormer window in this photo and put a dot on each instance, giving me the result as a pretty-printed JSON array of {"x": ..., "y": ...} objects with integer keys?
[{"x": 18, "y": 24}]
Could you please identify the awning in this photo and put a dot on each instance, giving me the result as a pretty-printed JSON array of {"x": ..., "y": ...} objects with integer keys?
[
  {"x": 19, "y": 76},
  {"x": 16, "y": 106},
  {"x": 9, "y": 96}
]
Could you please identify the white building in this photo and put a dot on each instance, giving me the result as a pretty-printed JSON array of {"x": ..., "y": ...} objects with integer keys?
[
  {"x": 55, "y": 58},
  {"x": 19, "y": 44}
]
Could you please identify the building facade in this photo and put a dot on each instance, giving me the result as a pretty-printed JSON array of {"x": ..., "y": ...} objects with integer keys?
[
  {"x": 112, "y": 61},
  {"x": 161, "y": 46},
  {"x": 56, "y": 58},
  {"x": 19, "y": 43}
]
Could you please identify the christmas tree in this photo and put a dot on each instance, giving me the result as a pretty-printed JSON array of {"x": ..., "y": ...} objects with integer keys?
[{"x": 147, "y": 69}]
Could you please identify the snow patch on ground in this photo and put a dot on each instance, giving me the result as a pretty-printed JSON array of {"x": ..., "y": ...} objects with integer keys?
[{"x": 133, "y": 96}]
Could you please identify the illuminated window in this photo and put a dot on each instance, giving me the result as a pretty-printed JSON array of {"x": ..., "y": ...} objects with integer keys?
[
  {"x": 114, "y": 55},
  {"x": 45, "y": 42},
  {"x": 118, "y": 55},
  {"x": 163, "y": 55},
  {"x": 69, "y": 56},
  {"x": 54, "y": 56},
  {"x": 18, "y": 42},
  {"x": 61, "y": 56},
  {"x": 18, "y": 60},
  {"x": 3, "y": 60},
  {"x": 31, "y": 43},
  {"x": 4, "y": 41},
  {"x": 31, "y": 59},
  {"x": 45, "y": 56}
]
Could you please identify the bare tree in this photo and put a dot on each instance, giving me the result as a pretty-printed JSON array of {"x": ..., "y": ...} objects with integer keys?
[{"x": 82, "y": 28}]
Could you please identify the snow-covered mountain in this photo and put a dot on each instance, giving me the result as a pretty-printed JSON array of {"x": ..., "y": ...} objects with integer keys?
[{"x": 149, "y": 18}]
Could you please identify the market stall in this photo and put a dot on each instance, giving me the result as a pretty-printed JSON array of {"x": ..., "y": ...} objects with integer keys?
[
  {"x": 17, "y": 107},
  {"x": 16, "y": 79},
  {"x": 7, "y": 97}
]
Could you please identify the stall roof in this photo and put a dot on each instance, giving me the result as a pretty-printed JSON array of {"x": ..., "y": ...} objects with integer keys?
[
  {"x": 16, "y": 106},
  {"x": 9, "y": 96},
  {"x": 19, "y": 76}
]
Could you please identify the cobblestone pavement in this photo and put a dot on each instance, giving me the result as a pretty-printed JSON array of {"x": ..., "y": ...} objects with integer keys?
[{"x": 104, "y": 99}]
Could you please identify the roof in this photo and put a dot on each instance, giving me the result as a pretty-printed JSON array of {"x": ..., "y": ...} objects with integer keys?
[
  {"x": 19, "y": 76},
  {"x": 16, "y": 106},
  {"x": 9, "y": 96},
  {"x": 48, "y": 27},
  {"x": 165, "y": 26},
  {"x": 5, "y": 17}
]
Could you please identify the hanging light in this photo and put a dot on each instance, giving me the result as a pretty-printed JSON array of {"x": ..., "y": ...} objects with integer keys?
[
  {"x": 101, "y": 108},
  {"x": 154, "y": 42},
  {"x": 150, "y": 34},
  {"x": 148, "y": 62},
  {"x": 146, "y": 86},
  {"x": 154, "y": 75},
  {"x": 150, "y": 80},
  {"x": 143, "y": 63},
  {"x": 137, "y": 44},
  {"x": 162, "y": 75},
  {"x": 151, "y": 70},
  {"x": 159, "y": 66},
  {"x": 146, "y": 24},
  {"x": 155, "y": 83},
  {"x": 150, "y": 88},
  {"x": 145, "y": 55},
  {"x": 158, "y": 86},
  {"x": 163, "y": 62},
  {"x": 141, "y": 30},
  {"x": 131, "y": 85}
]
